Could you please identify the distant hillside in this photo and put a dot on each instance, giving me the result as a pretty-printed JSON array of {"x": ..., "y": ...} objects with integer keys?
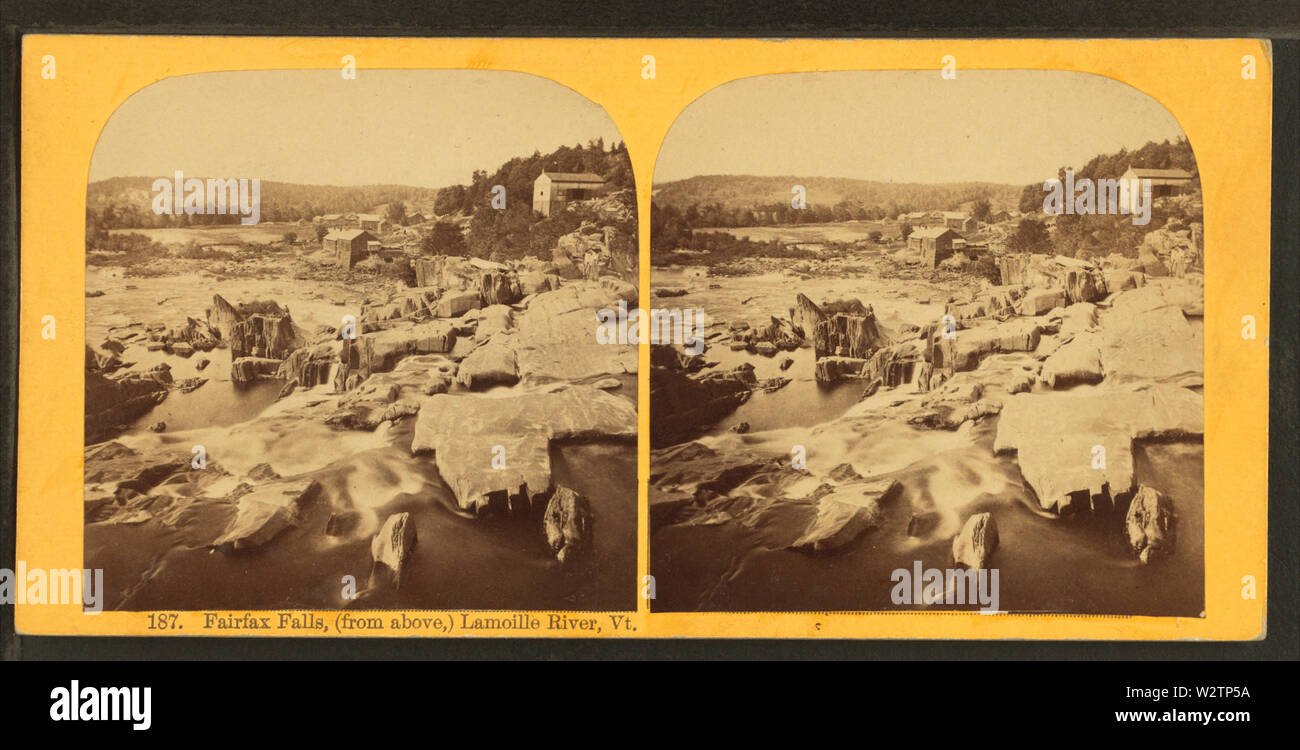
[
  {"x": 750, "y": 192},
  {"x": 126, "y": 202}
]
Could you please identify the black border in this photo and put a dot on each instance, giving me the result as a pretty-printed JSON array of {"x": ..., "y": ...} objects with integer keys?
[{"x": 1276, "y": 19}]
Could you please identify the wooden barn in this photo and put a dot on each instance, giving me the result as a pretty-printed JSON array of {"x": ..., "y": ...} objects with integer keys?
[
  {"x": 934, "y": 244},
  {"x": 552, "y": 191},
  {"x": 348, "y": 246}
]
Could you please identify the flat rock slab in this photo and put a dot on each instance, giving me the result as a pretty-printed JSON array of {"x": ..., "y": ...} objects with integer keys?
[
  {"x": 1146, "y": 336},
  {"x": 496, "y": 449},
  {"x": 1056, "y": 437},
  {"x": 556, "y": 338}
]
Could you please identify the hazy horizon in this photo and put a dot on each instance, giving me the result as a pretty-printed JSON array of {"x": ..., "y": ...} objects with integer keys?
[
  {"x": 1012, "y": 127},
  {"x": 416, "y": 128}
]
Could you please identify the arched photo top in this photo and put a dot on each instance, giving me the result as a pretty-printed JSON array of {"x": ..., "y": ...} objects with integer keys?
[
  {"x": 1014, "y": 127},
  {"x": 429, "y": 128}
]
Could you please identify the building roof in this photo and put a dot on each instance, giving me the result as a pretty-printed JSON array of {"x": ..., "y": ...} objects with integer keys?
[
  {"x": 955, "y": 215},
  {"x": 1160, "y": 174},
  {"x": 930, "y": 232},
  {"x": 573, "y": 177},
  {"x": 347, "y": 234},
  {"x": 369, "y": 217}
]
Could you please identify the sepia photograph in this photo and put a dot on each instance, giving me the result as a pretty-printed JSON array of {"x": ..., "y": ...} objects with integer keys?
[
  {"x": 944, "y": 348},
  {"x": 339, "y": 348}
]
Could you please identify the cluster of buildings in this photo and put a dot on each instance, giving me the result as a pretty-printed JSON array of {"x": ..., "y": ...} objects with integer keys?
[{"x": 369, "y": 222}]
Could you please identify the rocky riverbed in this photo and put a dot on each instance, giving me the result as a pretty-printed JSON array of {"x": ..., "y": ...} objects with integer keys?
[
  {"x": 253, "y": 440},
  {"x": 1064, "y": 402}
]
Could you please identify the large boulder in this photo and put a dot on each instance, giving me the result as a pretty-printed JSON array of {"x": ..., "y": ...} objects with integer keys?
[
  {"x": 115, "y": 402},
  {"x": 1076, "y": 361},
  {"x": 1150, "y": 524},
  {"x": 682, "y": 406},
  {"x": 494, "y": 451},
  {"x": 493, "y": 363},
  {"x": 974, "y": 546},
  {"x": 454, "y": 304},
  {"x": 391, "y": 548},
  {"x": 1075, "y": 448},
  {"x": 567, "y": 523}
]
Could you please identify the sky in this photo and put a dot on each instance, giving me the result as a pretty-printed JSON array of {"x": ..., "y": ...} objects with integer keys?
[
  {"x": 421, "y": 128},
  {"x": 1012, "y": 127}
]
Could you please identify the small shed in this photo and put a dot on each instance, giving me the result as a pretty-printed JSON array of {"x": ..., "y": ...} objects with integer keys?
[
  {"x": 934, "y": 244},
  {"x": 348, "y": 246}
]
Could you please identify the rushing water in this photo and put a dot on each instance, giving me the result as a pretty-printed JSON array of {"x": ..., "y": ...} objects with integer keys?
[
  {"x": 459, "y": 562},
  {"x": 1078, "y": 564}
]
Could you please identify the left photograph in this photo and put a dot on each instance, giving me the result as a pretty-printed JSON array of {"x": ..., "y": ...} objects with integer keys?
[{"x": 341, "y": 345}]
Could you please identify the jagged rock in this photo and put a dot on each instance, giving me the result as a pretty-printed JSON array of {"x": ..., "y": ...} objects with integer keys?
[
  {"x": 499, "y": 288},
  {"x": 158, "y": 427},
  {"x": 1150, "y": 524},
  {"x": 568, "y": 524},
  {"x": 895, "y": 364},
  {"x": 847, "y": 335},
  {"x": 266, "y": 511},
  {"x": 682, "y": 405},
  {"x": 740, "y": 428},
  {"x": 607, "y": 384},
  {"x": 1078, "y": 280},
  {"x": 309, "y": 366},
  {"x": 765, "y": 348},
  {"x": 112, "y": 345},
  {"x": 834, "y": 369},
  {"x": 844, "y": 513},
  {"x": 391, "y": 548},
  {"x": 110, "y": 403},
  {"x": 805, "y": 315},
  {"x": 411, "y": 304},
  {"x": 786, "y": 363},
  {"x": 202, "y": 363},
  {"x": 845, "y": 473},
  {"x": 382, "y": 350},
  {"x": 965, "y": 350},
  {"x": 250, "y": 369},
  {"x": 193, "y": 335},
  {"x": 974, "y": 546},
  {"x": 1056, "y": 437}
]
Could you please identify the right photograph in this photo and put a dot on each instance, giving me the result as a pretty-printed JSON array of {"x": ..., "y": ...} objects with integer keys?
[{"x": 927, "y": 341}]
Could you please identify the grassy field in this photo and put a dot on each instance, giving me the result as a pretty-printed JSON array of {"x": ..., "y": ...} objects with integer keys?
[
  {"x": 840, "y": 231},
  {"x": 225, "y": 234}
]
